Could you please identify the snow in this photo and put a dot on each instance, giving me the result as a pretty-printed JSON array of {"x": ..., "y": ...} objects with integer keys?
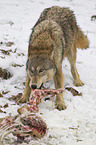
[{"x": 77, "y": 124}]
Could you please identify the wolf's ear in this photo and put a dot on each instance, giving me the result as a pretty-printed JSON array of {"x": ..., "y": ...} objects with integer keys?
[{"x": 27, "y": 64}]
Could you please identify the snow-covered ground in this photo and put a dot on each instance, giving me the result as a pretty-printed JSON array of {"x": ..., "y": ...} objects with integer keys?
[{"x": 77, "y": 124}]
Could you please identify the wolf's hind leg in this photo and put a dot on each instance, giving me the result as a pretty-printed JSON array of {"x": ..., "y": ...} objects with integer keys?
[
  {"x": 59, "y": 83},
  {"x": 27, "y": 91},
  {"x": 72, "y": 60}
]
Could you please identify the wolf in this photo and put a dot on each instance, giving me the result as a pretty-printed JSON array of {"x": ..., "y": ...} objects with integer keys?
[{"x": 55, "y": 36}]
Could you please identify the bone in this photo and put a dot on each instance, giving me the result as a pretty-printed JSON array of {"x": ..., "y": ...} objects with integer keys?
[{"x": 37, "y": 95}]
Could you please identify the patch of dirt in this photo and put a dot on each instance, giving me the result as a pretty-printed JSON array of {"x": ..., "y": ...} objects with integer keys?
[
  {"x": 17, "y": 65},
  {"x": 3, "y": 57},
  {"x": 4, "y": 74},
  {"x": 6, "y": 52},
  {"x": 5, "y": 92},
  {"x": 20, "y": 54},
  {"x": 1, "y": 95},
  {"x": 16, "y": 98},
  {"x": 1, "y": 111},
  {"x": 93, "y": 18},
  {"x": 8, "y": 44},
  {"x": 6, "y": 105}
]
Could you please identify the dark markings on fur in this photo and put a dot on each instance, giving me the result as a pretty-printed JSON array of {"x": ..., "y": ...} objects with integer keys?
[
  {"x": 62, "y": 48},
  {"x": 4, "y": 74}
]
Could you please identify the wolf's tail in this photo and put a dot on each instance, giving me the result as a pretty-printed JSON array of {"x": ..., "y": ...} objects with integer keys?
[{"x": 82, "y": 40}]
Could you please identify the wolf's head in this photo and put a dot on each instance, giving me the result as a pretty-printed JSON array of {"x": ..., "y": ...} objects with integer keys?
[{"x": 40, "y": 70}]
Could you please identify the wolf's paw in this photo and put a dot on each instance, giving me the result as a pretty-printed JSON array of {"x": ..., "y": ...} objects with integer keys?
[
  {"x": 23, "y": 99},
  {"x": 78, "y": 83},
  {"x": 60, "y": 106}
]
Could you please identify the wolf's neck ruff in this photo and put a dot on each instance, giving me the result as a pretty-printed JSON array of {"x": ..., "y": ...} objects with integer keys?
[{"x": 44, "y": 37}]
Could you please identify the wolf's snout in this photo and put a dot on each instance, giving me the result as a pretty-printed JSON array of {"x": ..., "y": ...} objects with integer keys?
[{"x": 34, "y": 86}]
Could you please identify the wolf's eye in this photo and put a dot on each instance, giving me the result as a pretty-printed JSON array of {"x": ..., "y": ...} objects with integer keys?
[{"x": 41, "y": 70}]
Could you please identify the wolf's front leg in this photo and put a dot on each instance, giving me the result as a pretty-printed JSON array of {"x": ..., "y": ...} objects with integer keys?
[
  {"x": 27, "y": 91},
  {"x": 59, "y": 83}
]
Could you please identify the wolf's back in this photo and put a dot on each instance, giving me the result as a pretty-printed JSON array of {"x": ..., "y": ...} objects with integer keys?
[
  {"x": 66, "y": 19},
  {"x": 63, "y": 16}
]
